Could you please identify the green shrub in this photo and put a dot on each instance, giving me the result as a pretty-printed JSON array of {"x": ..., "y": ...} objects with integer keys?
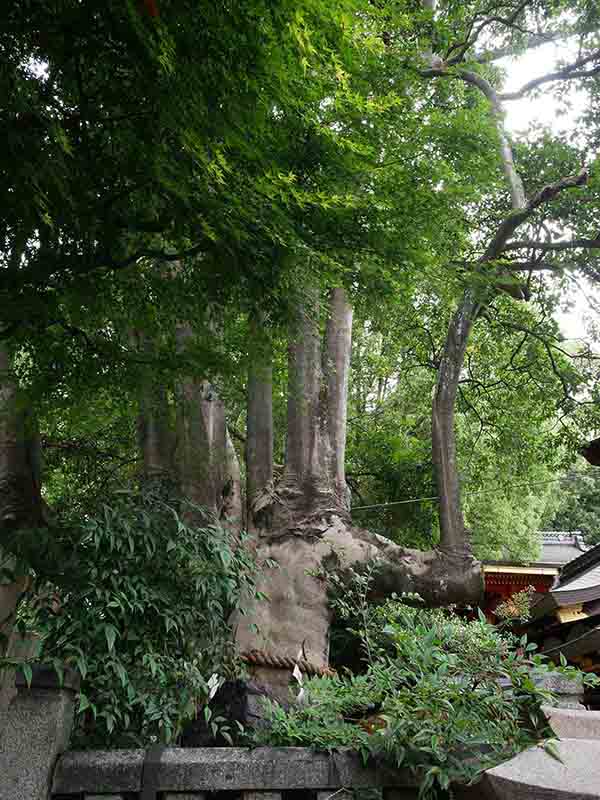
[
  {"x": 442, "y": 696},
  {"x": 138, "y": 603}
]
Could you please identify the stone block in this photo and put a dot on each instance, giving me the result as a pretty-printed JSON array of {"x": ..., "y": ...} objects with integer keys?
[
  {"x": 569, "y": 723},
  {"x": 271, "y": 769},
  {"x": 184, "y": 796},
  {"x": 35, "y": 730},
  {"x": 262, "y": 795},
  {"x": 568, "y": 692},
  {"x": 536, "y": 775},
  {"x": 100, "y": 771},
  {"x": 103, "y": 797}
]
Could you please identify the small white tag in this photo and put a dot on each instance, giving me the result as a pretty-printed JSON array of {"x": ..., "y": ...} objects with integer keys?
[{"x": 297, "y": 673}]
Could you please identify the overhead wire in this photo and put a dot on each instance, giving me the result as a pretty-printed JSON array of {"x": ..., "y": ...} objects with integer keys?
[{"x": 497, "y": 490}]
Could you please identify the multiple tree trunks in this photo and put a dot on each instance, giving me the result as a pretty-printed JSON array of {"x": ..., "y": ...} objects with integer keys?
[
  {"x": 304, "y": 527},
  {"x": 301, "y": 525},
  {"x": 187, "y": 442},
  {"x": 314, "y": 480}
]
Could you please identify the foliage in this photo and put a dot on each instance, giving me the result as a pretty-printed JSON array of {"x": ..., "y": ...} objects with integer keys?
[
  {"x": 517, "y": 608},
  {"x": 275, "y": 145},
  {"x": 510, "y": 445},
  {"x": 577, "y": 503},
  {"x": 443, "y": 696},
  {"x": 140, "y": 609},
  {"x": 302, "y": 144}
]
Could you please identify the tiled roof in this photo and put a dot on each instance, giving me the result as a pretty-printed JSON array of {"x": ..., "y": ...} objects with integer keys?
[
  {"x": 579, "y": 582},
  {"x": 560, "y": 547}
]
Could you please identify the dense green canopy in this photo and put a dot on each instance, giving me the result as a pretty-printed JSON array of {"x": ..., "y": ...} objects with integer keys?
[{"x": 170, "y": 160}]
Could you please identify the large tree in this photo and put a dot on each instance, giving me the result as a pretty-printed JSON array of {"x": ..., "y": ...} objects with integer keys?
[{"x": 345, "y": 156}]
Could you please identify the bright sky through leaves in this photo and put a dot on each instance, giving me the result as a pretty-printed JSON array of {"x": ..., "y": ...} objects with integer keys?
[{"x": 580, "y": 305}]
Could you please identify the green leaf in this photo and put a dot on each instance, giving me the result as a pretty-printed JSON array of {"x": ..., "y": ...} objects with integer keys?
[
  {"x": 28, "y": 673},
  {"x": 111, "y": 634},
  {"x": 550, "y": 746}
]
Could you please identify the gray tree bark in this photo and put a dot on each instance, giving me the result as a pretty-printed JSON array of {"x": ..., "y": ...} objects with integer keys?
[
  {"x": 337, "y": 369},
  {"x": 21, "y": 503},
  {"x": 306, "y": 528},
  {"x": 259, "y": 426},
  {"x": 453, "y": 535},
  {"x": 156, "y": 441},
  {"x": 304, "y": 444},
  {"x": 201, "y": 455},
  {"x": 189, "y": 445}
]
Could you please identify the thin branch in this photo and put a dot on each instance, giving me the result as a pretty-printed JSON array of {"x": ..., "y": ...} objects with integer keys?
[
  {"x": 515, "y": 183},
  {"x": 534, "y": 41},
  {"x": 571, "y": 244},
  {"x": 566, "y": 73},
  {"x": 498, "y": 243},
  {"x": 534, "y": 266},
  {"x": 548, "y": 347}
]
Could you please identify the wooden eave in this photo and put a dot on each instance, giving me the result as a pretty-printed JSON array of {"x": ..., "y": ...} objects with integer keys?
[{"x": 520, "y": 569}]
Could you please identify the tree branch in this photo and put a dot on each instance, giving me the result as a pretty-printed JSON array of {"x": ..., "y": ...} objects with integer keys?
[
  {"x": 498, "y": 243},
  {"x": 517, "y": 192},
  {"x": 534, "y": 41},
  {"x": 571, "y": 244},
  {"x": 566, "y": 73}
]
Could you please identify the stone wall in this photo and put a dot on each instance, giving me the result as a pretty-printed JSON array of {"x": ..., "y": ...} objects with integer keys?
[
  {"x": 34, "y": 730},
  {"x": 36, "y": 765},
  {"x": 265, "y": 773}
]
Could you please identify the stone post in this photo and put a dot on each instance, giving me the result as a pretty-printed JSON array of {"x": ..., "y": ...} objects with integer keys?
[
  {"x": 568, "y": 692},
  {"x": 34, "y": 731}
]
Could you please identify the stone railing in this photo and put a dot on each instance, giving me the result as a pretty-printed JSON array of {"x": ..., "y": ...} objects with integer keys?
[
  {"x": 35, "y": 764},
  {"x": 264, "y": 773}
]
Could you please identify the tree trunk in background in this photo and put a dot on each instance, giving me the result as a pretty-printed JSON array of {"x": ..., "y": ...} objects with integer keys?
[
  {"x": 20, "y": 456},
  {"x": 337, "y": 369},
  {"x": 201, "y": 457},
  {"x": 156, "y": 441},
  {"x": 453, "y": 535},
  {"x": 259, "y": 428},
  {"x": 190, "y": 445},
  {"x": 305, "y": 470},
  {"x": 21, "y": 504}
]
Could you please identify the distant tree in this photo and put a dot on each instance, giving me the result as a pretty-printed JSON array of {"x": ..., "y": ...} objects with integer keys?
[{"x": 576, "y": 505}]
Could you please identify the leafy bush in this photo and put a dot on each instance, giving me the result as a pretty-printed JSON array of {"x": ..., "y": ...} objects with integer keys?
[
  {"x": 442, "y": 696},
  {"x": 138, "y": 604}
]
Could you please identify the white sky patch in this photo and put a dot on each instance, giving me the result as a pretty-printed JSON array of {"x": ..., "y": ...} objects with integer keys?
[{"x": 543, "y": 109}]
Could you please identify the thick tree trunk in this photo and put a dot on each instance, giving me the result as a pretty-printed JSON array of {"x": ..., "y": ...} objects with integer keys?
[
  {"x": 304, "y": 467},
  {"x": 259, "y": 426},
  {"x": 206, "y": 462},
  {"x": 453, "y": 535},
  {"x": 20, "y": 456},
  {"x": 337, "y": 370},
  {"x": 189, "y": 445},
  {"x": 202, "y": 457},
  {"x": 306, "y": 530},
  {"x": 156, "y": 441},
  {"x": 21, "y": 504}
]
